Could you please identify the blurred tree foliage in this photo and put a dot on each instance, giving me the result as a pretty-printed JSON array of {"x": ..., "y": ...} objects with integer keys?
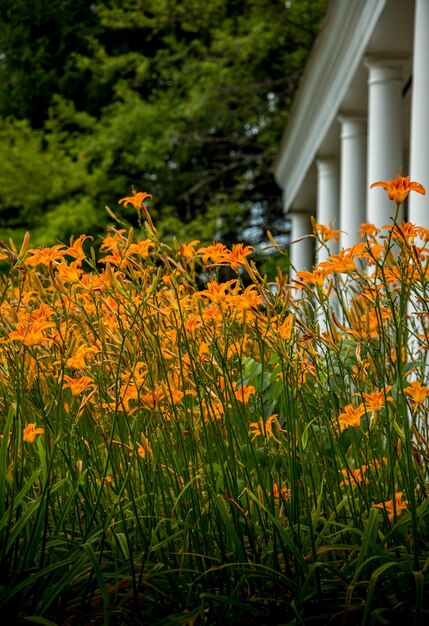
[{"x": 186, "y": 100}]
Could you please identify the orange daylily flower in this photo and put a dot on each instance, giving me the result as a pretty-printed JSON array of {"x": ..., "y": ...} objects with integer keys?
[
  {"x": 375, "y": 401},
  {"x": 45, "y": 256},
  {"x": 142, "y": 248},
  {"x": 368, "y": 229},
  {"x": 281, "y": 492},
  {"x": 30, "y": 432},
  {"x": 423, "y": 233},
  {"x": 76, "y": 247},
  {"x": 354, "y": 477},
  {"x": 77, "y": 360},
  {"x": 173, "y": 390},
  {"x": 393, "y": 507},
  {"x": 357, "y": 476},
  {"x": 115, "y": 258},
  {"x": 243, "y": 393},
  {"x": 31, "y": 333},
  {"x": 316, "y": 277},
  {"x": 285, "y": 329},
  {"x": 70, "y": 273},
  {"x": 237, "y": 256},
  {"x": 417, "y": 392},
  {"x": 216, "y": 253},
  {"x": 407, "y": 231},
  {"x": 249, "y": 299},
  {"x": 217, "y": 293},
  {"x": 112, "y": 241},
  {"x": 188, "y": 249},
  {"x": 136, "y": 199},
  {"x": 264, "y": 429},
  {"x": 351, "y": 416},
  {"x": 327, "y": 232},
  {"x": 368, "y": 325},
  {"x": 344, "y": 262},
  {"x": 77, "y": 385},
  {"x": 399, "y": 188},
  {"x": 192, "y": 323},
  {"x": 375, "y": 251},
  {"x": 42, "y": 313},
  {"x": 153, "y": 397}
]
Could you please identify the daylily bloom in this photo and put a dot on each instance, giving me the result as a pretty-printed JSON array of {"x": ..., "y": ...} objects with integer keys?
[
  {"x": 375, "y": 401},
  {"x": 423, "y": 234},
  {"x": 399, "y": 188},
  {"x": 316, "y": 277},
  {"x": 344, "y": 262},
  {"x": 243, "y": 393},
  {"x": 281, "y": 492},
  {"x": 136, "y": 199},
  {"x": 192, "y": 323},
  {"x": 141, "y": 248},
  {"x": 45, "y": 256},
  {"x": 216, "y": 253},
  {"x": 77, "y": 385},
  {"x": 188, "y": 249},
  {"x": 249, "y": 299},
  {"x": 116, "y": 258},
  {"x": 30, "y": 333},
  {"x": 370, "y": 324},
  {"x": 354, "y": 477},
  {"x": 394, "y": 506},
  {"x": 237, "y": 256},
  {"x": 417, "y": 392},
  {"x": 327, "y": 232},
  {"x": 70, "y": 273},
  {"x": 285, "y": 329},
  {"x": 368, "y": 229},
  {"x": 76, "y": 247},
  {"x": 112, "y": 241},
  {"x": 77, "y": 360},
  {"x": 216, "y": 292},
  {"x": 264, "y": 429},
  {"x": 152, "y": 397},
  {"x": 351, "y": 416},
  {"x": 406, "y": 231},
  {"x": 30, "y": 432}
]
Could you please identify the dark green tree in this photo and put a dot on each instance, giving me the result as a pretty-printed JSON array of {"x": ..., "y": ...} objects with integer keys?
[
  {"x": 197, "y": 94},
  {"x": 38, "y": 41}
]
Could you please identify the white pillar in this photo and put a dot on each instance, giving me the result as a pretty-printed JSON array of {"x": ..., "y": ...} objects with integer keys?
[
  {"x": 301, "y": 252},
  {"x": 352, "y": 178},
  {"x": 419, "y": 156},
  {"x": 328, "y": 199},
  {"x": 385, "y": 145}
]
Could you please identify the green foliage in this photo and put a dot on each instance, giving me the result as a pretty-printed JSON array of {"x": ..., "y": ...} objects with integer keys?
[
  {"x": 185, "y": 100},
  {"x": 38, "y": 41},
  {"x": 42, "y": 185}
]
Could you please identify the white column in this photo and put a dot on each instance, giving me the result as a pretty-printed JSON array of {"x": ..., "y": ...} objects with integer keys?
[
  {"x": 301, "y": 252},
  {"x": 419, "y": 156},
  {"x": 385, "y": 143},
  {"x": 328, "y": 200},
  {"x": 352, "y": 178}
]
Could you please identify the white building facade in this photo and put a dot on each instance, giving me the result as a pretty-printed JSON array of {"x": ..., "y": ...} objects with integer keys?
[{"x": 361, "y": 115}]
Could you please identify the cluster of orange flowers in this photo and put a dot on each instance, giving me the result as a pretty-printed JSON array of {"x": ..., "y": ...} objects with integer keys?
[
  {"x": 375, "y": 273},
  {"x": 133, "y": 335},
  {"x": 137, "y": 335}
]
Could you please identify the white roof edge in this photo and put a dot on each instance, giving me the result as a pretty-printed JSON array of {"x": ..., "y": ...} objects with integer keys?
[{"x": 345, "y": 34}]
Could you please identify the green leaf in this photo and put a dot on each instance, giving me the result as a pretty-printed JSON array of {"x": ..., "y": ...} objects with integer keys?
[{"x": 36, "y": 619}]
